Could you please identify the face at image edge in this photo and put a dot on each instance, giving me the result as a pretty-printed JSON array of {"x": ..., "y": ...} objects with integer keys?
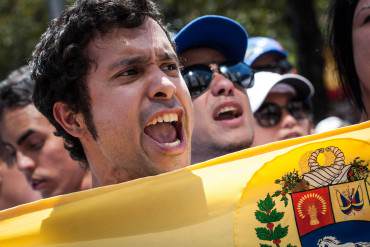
[
  {"x": 222, "y": 115},
  {"x": 288, "y": 127},
  {"x": 361, "y": 49},
  {"x": 40, "y": 155},
  {"x": 140, "y": 106},
  {"x": 14, "y": 189}
]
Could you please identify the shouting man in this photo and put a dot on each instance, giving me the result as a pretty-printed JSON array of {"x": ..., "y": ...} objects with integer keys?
[
  {"x": 212, "y": 50},
  {"x": 107, "y": 77}
]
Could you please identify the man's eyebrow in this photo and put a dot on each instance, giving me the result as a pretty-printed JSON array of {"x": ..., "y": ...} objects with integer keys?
[
  {"x": 24, "y": 136},
  {"x": 129, "y": 61},
  {"x": 168, "y": 56}
]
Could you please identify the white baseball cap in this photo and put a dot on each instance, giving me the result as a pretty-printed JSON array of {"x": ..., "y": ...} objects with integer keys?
[{"x": 264, "y": 82}]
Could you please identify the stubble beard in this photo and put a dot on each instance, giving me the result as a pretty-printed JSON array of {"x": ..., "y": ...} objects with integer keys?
[{"x": 203, "y": 150}]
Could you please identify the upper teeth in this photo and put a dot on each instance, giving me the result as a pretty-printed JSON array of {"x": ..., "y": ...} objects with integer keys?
[
  {"x": 167, "y": 118},
  {"x": 227, "y": 109}
]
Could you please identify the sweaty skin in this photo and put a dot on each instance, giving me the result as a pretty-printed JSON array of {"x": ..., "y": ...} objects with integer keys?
[{"x": 134, "y": 80}]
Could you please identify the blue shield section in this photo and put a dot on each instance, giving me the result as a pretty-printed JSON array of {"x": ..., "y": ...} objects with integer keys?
[{"x": 339, "y": 233}]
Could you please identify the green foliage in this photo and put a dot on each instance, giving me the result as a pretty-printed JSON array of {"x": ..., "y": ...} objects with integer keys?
[
  {"x": 260, "y": 18},
  {"x": 276, "y": 216},
  {"x": 289, "y": 182},
  {"x": 265, "y": 245},
  {"x": 267, "y": 214},
  {"x": 264, "y": 234},
  {"x": 267, "y": 204},
  {"x": 21, "y": 24},
  {"x": 22, "y": 21},
  {"x": 276, "y": 193},
  {"x": 279, "y": 232},
  {"x": 359, "y": 170},
  {"x": 263, "y": 217}
]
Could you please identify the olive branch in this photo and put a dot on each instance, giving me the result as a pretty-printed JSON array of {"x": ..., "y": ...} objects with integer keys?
[{"x": 267, "y": 214}]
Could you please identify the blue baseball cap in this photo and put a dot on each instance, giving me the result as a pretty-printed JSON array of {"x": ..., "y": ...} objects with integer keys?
[
  {"x": 259, "y": 46},
  {"x": 217, "y": 32}
]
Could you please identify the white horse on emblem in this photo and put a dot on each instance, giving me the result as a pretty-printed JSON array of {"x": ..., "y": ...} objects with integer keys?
[{"x": 330, "y": 241}]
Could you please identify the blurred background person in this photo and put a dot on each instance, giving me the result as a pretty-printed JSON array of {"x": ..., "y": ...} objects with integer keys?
[
  {"x": 349, "y": 39},
  {"x": 267, "y": 54},
  {"x": 212, "y": 49},
  {"x": 298, "y": 26},
  {"x": 14, "y": 189},
  {"x": 40, "y": 155},
  {"x": 281, "y": 105}
]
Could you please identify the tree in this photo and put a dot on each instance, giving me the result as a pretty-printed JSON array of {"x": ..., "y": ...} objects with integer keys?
[
  {"x": 296, "y": 24},
  {"x": 21, "y": 24},
  {"x": 308, "y": 39},
  {"x": 293, "y": 23}
]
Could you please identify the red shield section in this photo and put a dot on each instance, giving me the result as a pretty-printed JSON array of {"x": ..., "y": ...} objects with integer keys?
[{"x": 312, "y": 209}]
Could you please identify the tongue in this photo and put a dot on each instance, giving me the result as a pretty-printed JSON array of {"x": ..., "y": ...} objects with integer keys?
[{"x": 161, "y": 132}]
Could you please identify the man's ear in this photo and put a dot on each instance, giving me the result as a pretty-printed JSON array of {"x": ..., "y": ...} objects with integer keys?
[{"x": 70, "y": 121}]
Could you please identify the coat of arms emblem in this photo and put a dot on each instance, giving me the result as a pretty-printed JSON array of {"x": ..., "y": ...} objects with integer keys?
[{"x": 327, "y": 201}]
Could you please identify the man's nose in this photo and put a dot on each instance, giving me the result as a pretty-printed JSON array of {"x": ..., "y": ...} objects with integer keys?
[
  {"x": 221, "y": 86},
  {"x": 24, "y": 162},
  {"x": 288, "y": 121},
  {"x": 162, "y": 88}
]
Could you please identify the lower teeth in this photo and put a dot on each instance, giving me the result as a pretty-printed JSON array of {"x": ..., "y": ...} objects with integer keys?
[{"x": 172, "y": 144}]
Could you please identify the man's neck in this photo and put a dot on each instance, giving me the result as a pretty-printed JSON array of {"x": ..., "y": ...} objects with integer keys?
[
  {"x": 366, "y": 115},
  {"x": 206, "y": 153},
  {"x": 86, "y": 182}
]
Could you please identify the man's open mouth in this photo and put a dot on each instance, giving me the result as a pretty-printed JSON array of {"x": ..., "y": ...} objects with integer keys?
[
  {"x": 36, "y": 184},
  {"x": 165, "y": 128},
  {"x": 227, "y": 112},
  {"x": 291, "y": 135}
]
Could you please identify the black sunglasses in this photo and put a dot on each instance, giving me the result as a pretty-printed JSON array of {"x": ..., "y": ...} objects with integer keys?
[
  {"x": 199, "y": 77},
  {"x": 281, "y": 67},
  {"x": 270, "y": 114}
]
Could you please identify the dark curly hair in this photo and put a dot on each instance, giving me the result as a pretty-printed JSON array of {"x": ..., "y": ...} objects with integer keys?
[
  {"x": 15, "y": 91},
  {"x": 341, "y": 14},
  {"x": 60, "y": 62}
]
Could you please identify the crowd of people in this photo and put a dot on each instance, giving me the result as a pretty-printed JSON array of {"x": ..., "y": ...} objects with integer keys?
[{"x": 109, "y": 96}]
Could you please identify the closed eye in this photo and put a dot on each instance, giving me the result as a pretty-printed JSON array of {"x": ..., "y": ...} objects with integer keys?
[{"x": 33, "y": 146}]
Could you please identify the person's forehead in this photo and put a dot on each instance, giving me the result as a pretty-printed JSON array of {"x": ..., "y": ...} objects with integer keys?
[
  {"x": 201, "y": 55},
  {"x": 21, "y": 119},
  {"x": 148, "y": 35}
]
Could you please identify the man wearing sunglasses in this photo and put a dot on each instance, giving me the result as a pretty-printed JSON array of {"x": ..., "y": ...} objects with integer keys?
[
  {"x": 281, "y": 106},
  {"x": 266, "y": 54},
  {"x": 211, "y": 49}
]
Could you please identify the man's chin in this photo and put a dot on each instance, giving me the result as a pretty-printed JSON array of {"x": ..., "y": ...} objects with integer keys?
[
  {"x": 161, "y": 163},
  {"x": 229, "y": 145}
]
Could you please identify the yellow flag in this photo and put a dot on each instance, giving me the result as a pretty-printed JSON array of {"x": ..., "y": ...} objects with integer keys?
[{"x": 309, "y": 191}]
